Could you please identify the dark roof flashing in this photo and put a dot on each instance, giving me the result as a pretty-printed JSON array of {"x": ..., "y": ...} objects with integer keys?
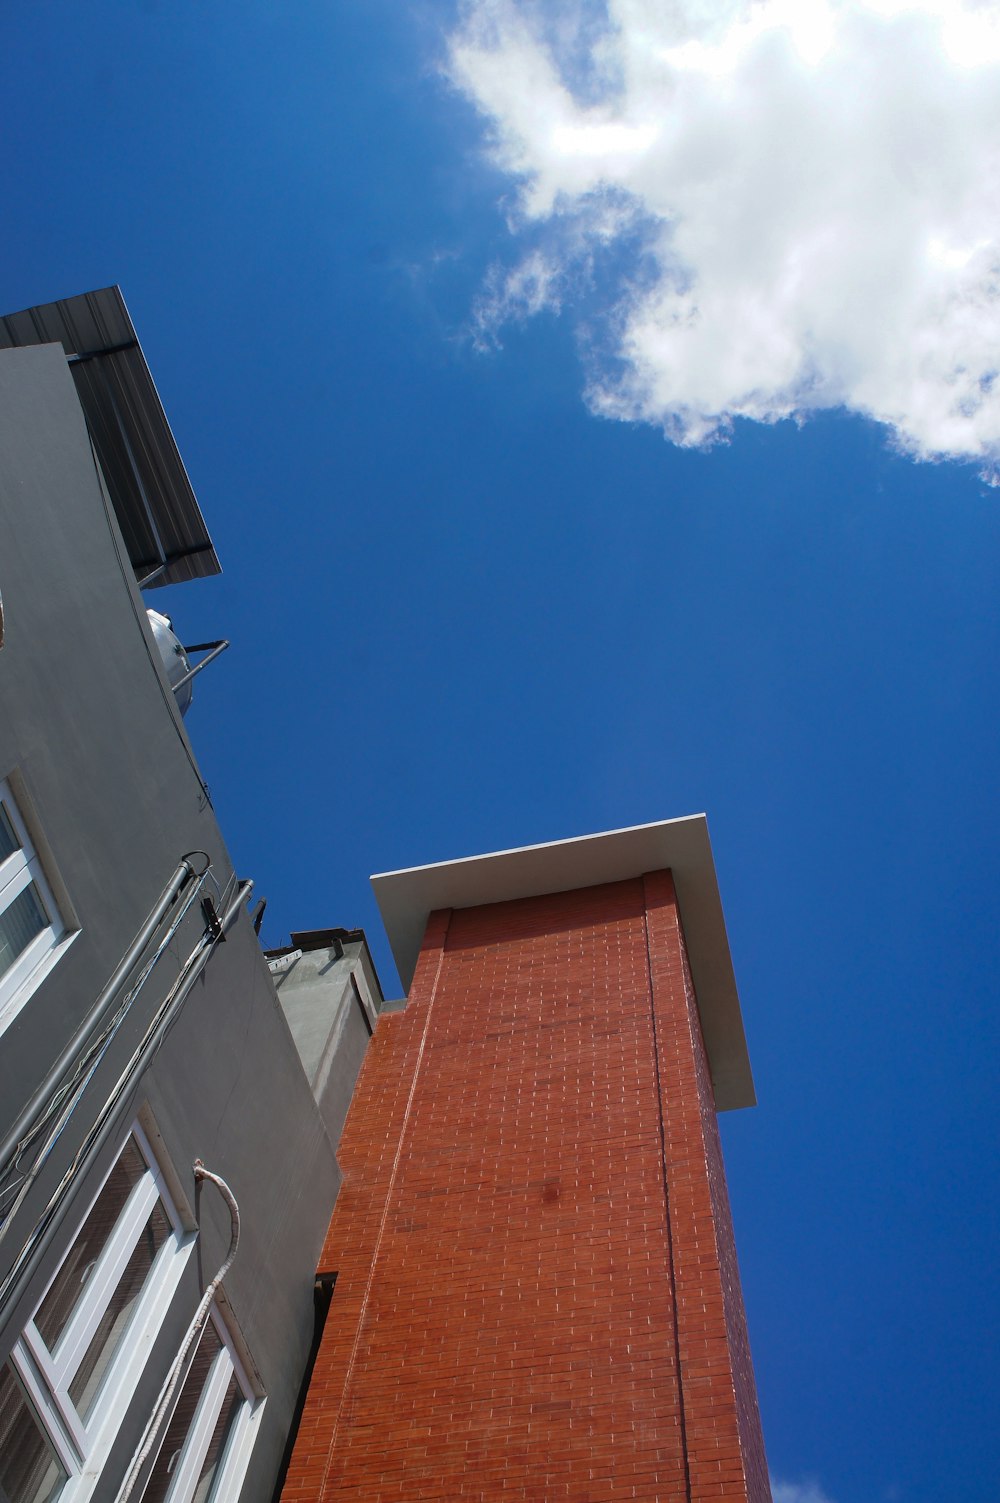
[{"x": 157, "y": 511}]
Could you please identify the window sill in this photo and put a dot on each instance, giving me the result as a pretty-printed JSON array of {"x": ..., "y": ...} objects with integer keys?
[{"x": 11, "y": 1008}]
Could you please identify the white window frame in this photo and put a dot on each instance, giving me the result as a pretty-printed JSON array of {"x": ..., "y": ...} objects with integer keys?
[
  {"x": 21, "y": 868},
  {"x": 239, "y": 1443},
  {"x": 83, "y": 1445}
]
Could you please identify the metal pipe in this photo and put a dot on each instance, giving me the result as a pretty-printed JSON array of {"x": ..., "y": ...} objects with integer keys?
[
  {"x": 66, "y": 1099},
  {"x": 147, "y": 579},
  {"x": 111, "y": 349},
  {"x": 30, "y": 1257},
  {"x": 43, "y": 1093},
  {"x": 187, "y": 980},
  {"x": 359, "y": 999},
  {"x": 216, "y": 647}
]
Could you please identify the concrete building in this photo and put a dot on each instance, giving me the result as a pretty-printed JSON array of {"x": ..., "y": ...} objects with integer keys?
[
  {"x": 140, "y": 1027},
  {"x": 537, "y": 1294}
]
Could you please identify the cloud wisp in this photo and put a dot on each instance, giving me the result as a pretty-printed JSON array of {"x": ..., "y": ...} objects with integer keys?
[
  {"x": 796, "y": 205},
  {"x": 797, "y": 1492}
]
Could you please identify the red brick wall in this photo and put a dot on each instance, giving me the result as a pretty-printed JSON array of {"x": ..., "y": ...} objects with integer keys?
[
  {"x": 529, "y": 1158},
  {"x": 722, "y": 1422}
]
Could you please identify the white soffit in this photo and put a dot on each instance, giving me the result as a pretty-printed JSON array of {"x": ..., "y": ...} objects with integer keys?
[{"x": 407, "y": 898}]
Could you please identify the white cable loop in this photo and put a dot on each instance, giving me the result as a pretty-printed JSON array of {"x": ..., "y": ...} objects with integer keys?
[{"x": 164, "y": 1403}]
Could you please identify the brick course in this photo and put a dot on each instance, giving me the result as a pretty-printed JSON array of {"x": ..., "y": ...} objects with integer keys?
[{"x": 537, "y": 1295}]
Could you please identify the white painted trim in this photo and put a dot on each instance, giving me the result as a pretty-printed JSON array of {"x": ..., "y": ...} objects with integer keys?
[
  {"x": 34, "y": 978},
  {"x": 280, "y": 963},
  {"x": 229, "y": 1341},
  {"x": 20, "y": 868},
  {"x": 146, "y": 1132},
  {"x": 58, "y": 1401},
  {"x": 407, "y": 898},
  {"x": 185, "y": 1478},
  {"x": 99, "y": 1289},
  {"x": 243, "y": 1359},
  {"x": 123, "y": 1377},
  {"x": 69, "y": 1453},
  {"x": 15, "y": 874},
  {"x": 27, "y": 809},
  {"x": 83, "y": 1448},
  {"x": 14, "y": 980},
  {"x": 238, "y": 1451},
  {"x": 239, "y": 1443}
]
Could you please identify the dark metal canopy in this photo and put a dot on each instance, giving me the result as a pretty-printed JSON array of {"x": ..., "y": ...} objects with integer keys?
[{"x": 157, "y": 511}]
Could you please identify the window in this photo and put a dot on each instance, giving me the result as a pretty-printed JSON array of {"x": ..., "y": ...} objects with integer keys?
[
  {"x": 206, "y": 1445},
  {"x": 77, "y": 1363},
  {"x": 29, "y": 1466},
  {"x": 31, "y": 926}
]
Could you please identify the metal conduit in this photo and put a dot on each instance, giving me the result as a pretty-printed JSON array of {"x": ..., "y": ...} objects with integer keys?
[
  {"x": 107, "y": 1123},
  {"x": 216, "y": 647},
  {"x": 43, "y": 1093},
  {"x": 67, "y": 1097}
]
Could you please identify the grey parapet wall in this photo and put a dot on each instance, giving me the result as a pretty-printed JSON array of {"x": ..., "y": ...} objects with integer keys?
[{"x": 330, "y": 994}]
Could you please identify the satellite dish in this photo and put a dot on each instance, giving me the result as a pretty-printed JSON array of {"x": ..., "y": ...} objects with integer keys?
[{"x": 173, "y": 656}]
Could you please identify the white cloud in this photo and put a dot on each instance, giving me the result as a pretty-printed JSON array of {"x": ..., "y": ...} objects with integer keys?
[
  {"x": 797, "y": 203},
  {"x": 797, "y": 1492},
  {"x": 532, "y": 286}
]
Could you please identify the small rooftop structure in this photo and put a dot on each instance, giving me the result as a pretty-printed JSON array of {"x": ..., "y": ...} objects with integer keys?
[
  {"x": 160, "y": 519},
  {"x": 407, "y": 898}
]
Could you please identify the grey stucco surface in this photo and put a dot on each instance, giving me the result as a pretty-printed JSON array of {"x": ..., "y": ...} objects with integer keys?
[
  {"x": 327, "y": 1018},
  {"x": 87, "y": 723}
]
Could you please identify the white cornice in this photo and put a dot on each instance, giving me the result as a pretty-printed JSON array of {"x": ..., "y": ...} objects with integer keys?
[{"x": 407, "y": 898}]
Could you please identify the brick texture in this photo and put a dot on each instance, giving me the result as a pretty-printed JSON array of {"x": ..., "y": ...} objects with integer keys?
[{"x": 537, "y": 1295}]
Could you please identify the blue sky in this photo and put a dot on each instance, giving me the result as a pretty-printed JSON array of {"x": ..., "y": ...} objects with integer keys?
[{"x": 468, "y": 612}]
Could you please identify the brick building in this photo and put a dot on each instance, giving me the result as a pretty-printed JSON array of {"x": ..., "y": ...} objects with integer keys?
[{"x": 536, "y": 1292}]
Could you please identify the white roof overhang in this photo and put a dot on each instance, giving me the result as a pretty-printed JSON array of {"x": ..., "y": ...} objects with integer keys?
[{"x": 407, "y": 898}]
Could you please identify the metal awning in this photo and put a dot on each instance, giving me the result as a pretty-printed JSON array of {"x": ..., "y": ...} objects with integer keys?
[{"x": 157, "y": 511}]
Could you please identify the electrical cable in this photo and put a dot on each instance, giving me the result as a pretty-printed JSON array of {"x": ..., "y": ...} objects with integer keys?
[
  {"x": 47, "y": 1223},
  {"x": 178, "y": 1368},
  {"x": 57, "y": 1079},
  {"x": 66, "y": 1099}
]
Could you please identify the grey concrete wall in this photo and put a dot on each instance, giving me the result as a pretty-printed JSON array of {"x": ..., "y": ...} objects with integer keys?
[
  {"x": 330, "y": 1020},
  {"x": 87, "y": 721}
]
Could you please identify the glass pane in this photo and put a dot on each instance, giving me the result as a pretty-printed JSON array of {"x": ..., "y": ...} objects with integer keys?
[
  {"x": 30, "y": 1471},
  {"x": 86, "y": 1382},
  {"x": 182, "y": 1419},
  {"x": 9, "y": 842},
  {"x": 58, "y": 1305},
  {"x": 20, "y": 921},
  {"x": 214, "y": 1456}
]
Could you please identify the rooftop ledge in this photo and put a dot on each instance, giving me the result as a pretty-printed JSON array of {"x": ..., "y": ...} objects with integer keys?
[{"x": 407, "y": 898}]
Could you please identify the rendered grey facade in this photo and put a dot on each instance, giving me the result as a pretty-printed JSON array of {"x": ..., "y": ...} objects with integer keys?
[{"x": 108, "y": 1239}]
